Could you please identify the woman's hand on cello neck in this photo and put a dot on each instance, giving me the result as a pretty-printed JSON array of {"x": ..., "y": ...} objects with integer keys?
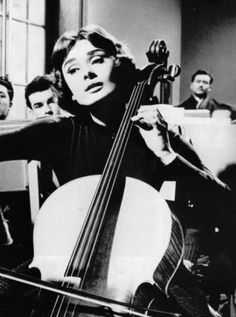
[{"x": 154, "y": 130}]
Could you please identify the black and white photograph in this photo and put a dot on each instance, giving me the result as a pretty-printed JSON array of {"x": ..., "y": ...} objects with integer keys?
[{"x": 117, "y": 158}]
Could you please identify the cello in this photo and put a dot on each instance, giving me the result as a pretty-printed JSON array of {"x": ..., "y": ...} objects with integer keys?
[{"x": 102, "y": 240}]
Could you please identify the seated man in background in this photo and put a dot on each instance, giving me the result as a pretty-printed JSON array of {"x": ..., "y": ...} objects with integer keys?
[
  {"x": 42, "y": 100},
  {"x": 41, "y": 97},
  {"x": 14, "y": 205},
  {"x": 6, "y": 96},
  {"x": 201, "y": 86}
]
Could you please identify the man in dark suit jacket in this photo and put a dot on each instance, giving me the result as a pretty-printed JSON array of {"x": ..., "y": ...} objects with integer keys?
[{"x": 201, "y": 85}]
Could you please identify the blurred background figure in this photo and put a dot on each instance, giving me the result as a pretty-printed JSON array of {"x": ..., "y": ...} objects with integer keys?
[
  {"x": 11, "y": 203},
  {"x": 201, "y": 86},
  {"x": 42, "y": 100},
  {"x": 6, "y": 97},
  {"x": 41, "y": 97}
]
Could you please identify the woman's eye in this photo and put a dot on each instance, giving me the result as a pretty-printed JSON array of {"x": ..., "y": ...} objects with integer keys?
[
  {"x": 72, "y": 70},
  {"x": 97, "y": 60}
]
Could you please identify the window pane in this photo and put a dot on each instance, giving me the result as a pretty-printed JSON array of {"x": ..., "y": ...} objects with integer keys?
[
  {"x": 37, "y": 11},
  {"x": 36, "y": 56},
  {"x": 17, "y": 61},
  {"x": 1, "y": 46},
  {"x": 19, "y": 9},
  {"x": 0, "y": 5},
  {"x": 18, "y": 110}
]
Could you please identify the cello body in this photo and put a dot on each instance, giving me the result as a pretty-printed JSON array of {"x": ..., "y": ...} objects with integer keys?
[{"x": 134, "y": 244}]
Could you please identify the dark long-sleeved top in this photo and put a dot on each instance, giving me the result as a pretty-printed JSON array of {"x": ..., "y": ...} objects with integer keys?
[{"x": 75, "y": 148}]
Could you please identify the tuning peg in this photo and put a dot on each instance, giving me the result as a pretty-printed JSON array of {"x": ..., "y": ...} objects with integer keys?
[{"x": 174, "y": 71}]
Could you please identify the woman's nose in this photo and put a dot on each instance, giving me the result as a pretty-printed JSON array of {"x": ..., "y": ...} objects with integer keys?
[{"x": 89, "y": 74}]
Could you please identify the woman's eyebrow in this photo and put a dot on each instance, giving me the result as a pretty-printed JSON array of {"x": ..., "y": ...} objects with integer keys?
[
  {"x": 93, "y": 52},
  {"x": 68, "y": 61},
  {"x": 90, "y": 53}
]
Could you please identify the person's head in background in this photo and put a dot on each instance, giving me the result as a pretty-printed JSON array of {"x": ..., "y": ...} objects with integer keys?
[
  {"x": 201, "y": 83},
  {"x": 42, "y": 97},
  {"x": 6, "y": 96}
]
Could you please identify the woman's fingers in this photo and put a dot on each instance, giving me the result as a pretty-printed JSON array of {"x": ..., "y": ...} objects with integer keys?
[{"x": 148, "y": 118}]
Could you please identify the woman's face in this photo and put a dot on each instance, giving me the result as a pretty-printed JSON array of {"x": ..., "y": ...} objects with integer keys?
[{"x": 87, "y": 72}]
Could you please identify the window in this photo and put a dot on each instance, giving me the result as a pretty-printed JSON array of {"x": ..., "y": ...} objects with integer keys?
[{"x": 22, "y": 45}]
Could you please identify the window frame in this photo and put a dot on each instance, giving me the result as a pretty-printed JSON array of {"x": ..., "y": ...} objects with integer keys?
[{"x": 49, "y": 29}]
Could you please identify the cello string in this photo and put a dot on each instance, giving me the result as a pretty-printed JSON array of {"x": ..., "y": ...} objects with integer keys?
[
  {"x": 116, "y": 155},
  {"x": 98, "y": 199},
  {"x": 122, "y": 134},
  {"x": 98, "y": 192},
  {"x": 106, "y": 189}
]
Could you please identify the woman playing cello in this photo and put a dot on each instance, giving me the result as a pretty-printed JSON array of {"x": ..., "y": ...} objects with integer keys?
[{"x": 97, "y": 76}]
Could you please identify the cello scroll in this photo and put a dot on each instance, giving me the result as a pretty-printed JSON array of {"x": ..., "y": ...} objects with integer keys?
[{"x": 158, "y": 54}]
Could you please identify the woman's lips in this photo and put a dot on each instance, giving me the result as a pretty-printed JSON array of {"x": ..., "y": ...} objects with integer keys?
[{"x": 94, "y": 87}]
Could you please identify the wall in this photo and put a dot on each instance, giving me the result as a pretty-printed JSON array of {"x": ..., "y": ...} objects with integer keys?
[
  {"x": 208, "y": 42},
  {"x": 70, "y": 15},
  {"x": 135, "y": 22}
]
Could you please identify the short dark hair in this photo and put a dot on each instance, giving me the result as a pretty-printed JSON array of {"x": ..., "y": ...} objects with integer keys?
[
  {"x": 39, "y": 83},
  {"x": 123, "y": 72},
  {"x": 201, "y": 72},
  {"x": 4, "y": 81}
]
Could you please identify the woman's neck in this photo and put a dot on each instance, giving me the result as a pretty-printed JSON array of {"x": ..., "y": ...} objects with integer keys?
[{"x": 109, "y": 111}]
